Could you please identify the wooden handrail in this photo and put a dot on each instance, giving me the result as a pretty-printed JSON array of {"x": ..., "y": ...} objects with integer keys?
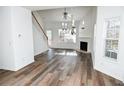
[{"x": 39, "y": 25}]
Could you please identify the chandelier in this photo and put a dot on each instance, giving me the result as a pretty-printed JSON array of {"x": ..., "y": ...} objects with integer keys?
[
  {"x": 65, "y": 14},
  {"x": 68, "y": 23}
]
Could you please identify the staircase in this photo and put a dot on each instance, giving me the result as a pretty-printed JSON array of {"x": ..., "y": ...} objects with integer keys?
[{"x": 41, "y": 28}]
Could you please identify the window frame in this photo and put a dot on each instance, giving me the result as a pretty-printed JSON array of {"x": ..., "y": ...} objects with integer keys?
[
  {"x": 62, "y": 40},
  {"x": 112, "y": 39}
]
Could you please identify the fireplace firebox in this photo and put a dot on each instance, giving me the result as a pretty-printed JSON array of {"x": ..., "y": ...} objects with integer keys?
[{"x": 83, "y": 46}]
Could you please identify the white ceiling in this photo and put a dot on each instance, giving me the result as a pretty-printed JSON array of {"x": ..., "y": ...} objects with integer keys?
[
  {"x": 57, "y": 14},
  {"x": 34, "y": 8}
]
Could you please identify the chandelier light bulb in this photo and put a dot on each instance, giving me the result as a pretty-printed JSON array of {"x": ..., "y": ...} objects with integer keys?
[
  {"x": 73, "y": 22},
  {"x": 62, "y": 24},
  {"x": 65, "y": 24},
  {"x": 83, "y": 22}
]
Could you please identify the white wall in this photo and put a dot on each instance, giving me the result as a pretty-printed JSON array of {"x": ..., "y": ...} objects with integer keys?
[
  {"x": 93, "y": 35},
  {"x": 23, "y": 44},
  {"x": 6, "y": 41},
  {"x": 40, "y": 41},
  {"x": 112, "y": 68},
  {"x": 16, "y": 38}
]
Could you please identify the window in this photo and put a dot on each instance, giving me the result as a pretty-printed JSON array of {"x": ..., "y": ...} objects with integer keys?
[
  {"x": 66, "y": 36},
  {"x": 112, "y": 37},
  {"x": 49, "y": 34}
]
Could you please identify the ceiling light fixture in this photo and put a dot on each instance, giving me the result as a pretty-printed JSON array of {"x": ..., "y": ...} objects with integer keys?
[
  {"x": 67, "y": 18},
  {"x": 65, "y": 14},
  {"x": 83, "y": 25}
]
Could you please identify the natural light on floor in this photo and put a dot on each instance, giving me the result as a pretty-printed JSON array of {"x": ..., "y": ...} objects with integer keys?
[{"x": 67, "y": 53}]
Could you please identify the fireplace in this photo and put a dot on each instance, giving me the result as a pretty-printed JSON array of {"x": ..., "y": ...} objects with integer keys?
[{"x": 83, "y": 46}]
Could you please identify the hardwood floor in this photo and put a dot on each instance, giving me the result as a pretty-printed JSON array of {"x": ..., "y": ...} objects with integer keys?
[{"x": 58, "y": 67}]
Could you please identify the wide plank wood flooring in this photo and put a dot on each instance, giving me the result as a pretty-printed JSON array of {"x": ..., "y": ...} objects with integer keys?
[{"x": 58, "y": 67}]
